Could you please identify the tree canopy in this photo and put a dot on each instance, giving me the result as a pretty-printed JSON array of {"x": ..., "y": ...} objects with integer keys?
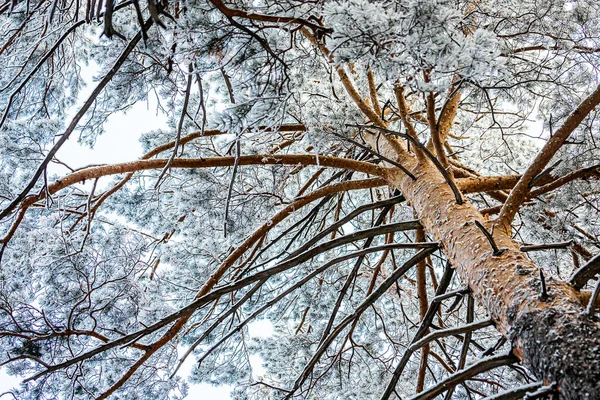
[{"x": 407, "y": 190}]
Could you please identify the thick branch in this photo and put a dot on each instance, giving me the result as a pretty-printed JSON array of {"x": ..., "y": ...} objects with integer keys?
[
  {"x": 519, "y": 193},
  {"x": 164, "y": 147},
  {"x": 433, "y": 130},
  {"x": 516, "y": 393}
]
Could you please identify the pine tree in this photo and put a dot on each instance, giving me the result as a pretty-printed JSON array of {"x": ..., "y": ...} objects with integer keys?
[{"x": 408, "y": 191}]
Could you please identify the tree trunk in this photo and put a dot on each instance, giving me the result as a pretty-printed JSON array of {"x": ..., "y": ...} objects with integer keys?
[{"x": 553, "y": 337}]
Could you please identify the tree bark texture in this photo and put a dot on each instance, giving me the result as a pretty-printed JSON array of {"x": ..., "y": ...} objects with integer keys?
[{"x": 554, "y": 337}]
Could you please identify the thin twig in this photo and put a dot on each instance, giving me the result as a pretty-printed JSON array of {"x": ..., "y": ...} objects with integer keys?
[
  {"x": 490, "y": 238},
  {"x": 381, "y": 289},
  {"x": 352, "y": 275},
  {"x": 543, "y": 290},
  {"x": 216, "y": 324},
  {"x": 466, "y": 341},
  {"x": 65, "y": 136},
  {"x": 179, "y": 128},
  {"x": 300, "y": 283},
  {"x": 423, "y": 327},
  {"x": 231, "y": 183},
  {"x": 546, "y": 246}
]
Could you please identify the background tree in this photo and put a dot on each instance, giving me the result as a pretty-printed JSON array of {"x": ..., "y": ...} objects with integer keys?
[{"x": 365, "y": 175}]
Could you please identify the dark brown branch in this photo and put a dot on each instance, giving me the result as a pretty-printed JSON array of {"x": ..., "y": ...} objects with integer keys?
[
  {"x": 367, "y": 148},
  {"x": 65, "y": 136},
  {"x": 140, "y": 19},
  {"x": 542, "y": 175},
  {"x": 217, "y": 323},
  {"x": 466, "y": 341},
  {"x": 372, "y": 298},
  {"x": 517, "y": 393},
  {"x": 423, "y": 327},
  {"x": 490, "y": 239},
  {"x": 458, "y": 292},
  {"x": 582, "y": 173},
  {"x": 231, "y": 13},
  {"x": 543, "y": 290},
  {"x": 352, "y": 275},
  {"x": 154, "y": 8},
  {"x": 109, "y": 30},
  {"x": 323, "y": 268},
  {"x": 589, "y": 270},
  {"x": 579, "y": 48},
  {"x": 470, "y": 327},
  {"x": 483, "y": 365},
  {"x": 179, "y": 126},
  {"x": 346, "y": 219}
]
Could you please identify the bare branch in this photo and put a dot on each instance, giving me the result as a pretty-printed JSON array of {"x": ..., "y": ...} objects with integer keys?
[
  {"x": 483, "y": 365},
  {"x": 588, "y": 271}
]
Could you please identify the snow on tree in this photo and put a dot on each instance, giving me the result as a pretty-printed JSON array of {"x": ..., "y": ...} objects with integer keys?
[{"x": 365, "y": 175}]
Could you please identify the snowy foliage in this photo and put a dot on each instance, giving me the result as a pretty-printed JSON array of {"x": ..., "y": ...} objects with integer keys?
[{"x": 85, "y": 267}]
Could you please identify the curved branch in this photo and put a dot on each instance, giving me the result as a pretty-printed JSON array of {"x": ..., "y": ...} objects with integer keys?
[
  {"x": 517, "y": 393},
  {"x": 167, "y": 146},
  {"x": 259, "y": 159},
  {"x": 581, "y": 277},
  {"x": 483, "y": 365}
]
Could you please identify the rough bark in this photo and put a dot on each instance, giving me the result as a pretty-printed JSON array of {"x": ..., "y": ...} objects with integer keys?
[{"x": 553, "y": 338}]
